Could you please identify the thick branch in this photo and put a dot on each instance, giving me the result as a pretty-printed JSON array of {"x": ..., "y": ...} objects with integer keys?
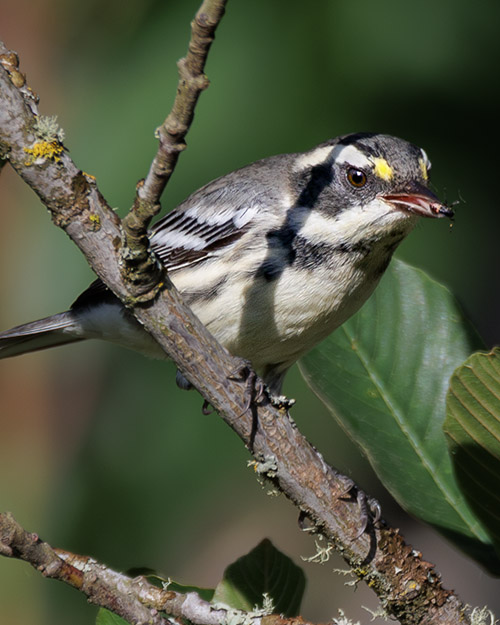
[{"x": 405, "y": 584}]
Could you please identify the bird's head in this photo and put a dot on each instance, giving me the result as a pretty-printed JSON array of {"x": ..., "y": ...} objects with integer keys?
[{"x": 371, "y": 184}]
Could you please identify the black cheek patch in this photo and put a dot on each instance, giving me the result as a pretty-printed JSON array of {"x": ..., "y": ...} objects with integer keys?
[{"x": 320, "y": 177}]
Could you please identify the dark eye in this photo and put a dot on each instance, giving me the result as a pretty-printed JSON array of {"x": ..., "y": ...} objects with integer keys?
[{"x": 356, "y": 177}]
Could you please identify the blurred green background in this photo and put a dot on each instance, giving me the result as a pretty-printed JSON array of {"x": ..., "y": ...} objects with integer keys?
[{"x": 100, "y": 453}]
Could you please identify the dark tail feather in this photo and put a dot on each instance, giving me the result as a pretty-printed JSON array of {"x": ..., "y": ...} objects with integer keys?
[{"x": 58, "y": 329}]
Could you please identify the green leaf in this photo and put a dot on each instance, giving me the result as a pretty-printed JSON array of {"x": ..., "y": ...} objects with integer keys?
[
  {"x": 472, "y": 427},
  {"x": 105, "y": 617},
  {"x": 264, "y": 570},
  {"x": 207, "y": 594},
  {"x": 384, "y": 375}
]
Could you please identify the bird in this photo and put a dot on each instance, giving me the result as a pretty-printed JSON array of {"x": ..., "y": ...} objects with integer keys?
[{"x": 272, "y": 257}]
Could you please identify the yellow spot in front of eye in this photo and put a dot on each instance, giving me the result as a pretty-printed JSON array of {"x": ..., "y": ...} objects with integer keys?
[
  {"x": 382, "y": 169},
  {"x": 423, "y": 168}
]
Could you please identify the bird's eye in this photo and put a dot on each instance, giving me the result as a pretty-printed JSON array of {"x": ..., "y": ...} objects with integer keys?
[{"x": 356, "y": 177}]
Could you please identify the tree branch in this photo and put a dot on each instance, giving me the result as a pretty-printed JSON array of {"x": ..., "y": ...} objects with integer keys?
[
  {"x": 192, "y": 81},
  {"x": 141, "y": 270},
  {"x": 135, "y": 599},
  {"x": 406, "y": 585}
]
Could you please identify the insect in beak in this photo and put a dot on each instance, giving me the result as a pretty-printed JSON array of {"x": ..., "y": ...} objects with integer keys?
[{"x": 419, "y": 200}]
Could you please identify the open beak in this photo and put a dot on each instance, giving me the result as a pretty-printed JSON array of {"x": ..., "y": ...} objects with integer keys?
[{"x": 419, "y": 200}]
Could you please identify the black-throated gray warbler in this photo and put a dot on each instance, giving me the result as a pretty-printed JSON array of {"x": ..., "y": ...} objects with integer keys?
[{"x": 272, "y": 257}]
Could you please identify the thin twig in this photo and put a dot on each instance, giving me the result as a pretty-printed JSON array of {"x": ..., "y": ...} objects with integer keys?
[
  {"x": 140, "y": 267},
  {"x": 192, "y": 81}
]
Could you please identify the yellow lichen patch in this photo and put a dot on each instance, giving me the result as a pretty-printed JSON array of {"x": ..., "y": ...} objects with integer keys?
[
  {"x": 96, "y": 221},
  {"x": 423, "y": 168},
  {"x": 382, "y": 169},
  {"x": 41, "y": 150}
]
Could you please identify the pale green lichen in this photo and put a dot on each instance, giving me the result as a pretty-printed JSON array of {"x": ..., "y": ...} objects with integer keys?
[
  {"x": 49, "y": 141},
  {"x": 482, "y": 616},
  {"x": 266, "y": 469},
  {"x": 323, "y": 552},
  {"x": 239, "y": 617},
  {"x": 47, "y": 129},
  {"x": 268, "y": 466},
  {"x": 378, "y": 613},
  {"x": 343, "y": 620}
]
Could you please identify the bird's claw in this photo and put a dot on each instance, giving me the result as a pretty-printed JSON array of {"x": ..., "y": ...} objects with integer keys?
[
  {"x": 370, "y": 513},
  {"x": 256, "y": 390}
]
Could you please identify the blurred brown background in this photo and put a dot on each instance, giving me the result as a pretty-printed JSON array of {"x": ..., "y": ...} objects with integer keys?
[{"x": 99, "y": 451}]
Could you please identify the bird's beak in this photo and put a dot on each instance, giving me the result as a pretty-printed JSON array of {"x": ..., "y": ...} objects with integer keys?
[{"x": 419, "y": 200}]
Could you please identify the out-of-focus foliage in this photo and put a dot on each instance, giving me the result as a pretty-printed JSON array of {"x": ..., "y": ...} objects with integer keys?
[
  {"x": 263, "y": 573},
  {"x": 473, "y": 429},
  {"x": 99, "y": 451}
]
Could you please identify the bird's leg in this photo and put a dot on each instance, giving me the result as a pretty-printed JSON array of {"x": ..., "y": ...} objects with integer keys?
[
  {"x": 369, "y": 509},
  {"x": 255, "y": 388}
]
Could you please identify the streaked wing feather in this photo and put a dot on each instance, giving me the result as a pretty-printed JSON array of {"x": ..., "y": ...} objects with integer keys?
[
  {"x": 177, "y": 257},
  {"x": 204, "y": 224},
  {"x": 199, "y": 228}
]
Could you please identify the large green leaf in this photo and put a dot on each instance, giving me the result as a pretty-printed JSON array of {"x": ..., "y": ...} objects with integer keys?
[
  {"x": 262, "y": 571},
  {"x": 384, "y": 374},
  {"x": 473, "y": 431}
]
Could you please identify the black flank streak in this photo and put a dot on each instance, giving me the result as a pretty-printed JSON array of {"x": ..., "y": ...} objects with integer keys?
[
  {"x": 359, "y": 247},
  {"x": 310, "y": 255},
  {"x": 204, "y": 295},
  {"x": 298, "y": 251}
]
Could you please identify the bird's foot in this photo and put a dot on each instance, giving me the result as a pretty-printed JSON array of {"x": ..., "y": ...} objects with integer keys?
[
  {"x": 369, "y": 512},
  {"x": 257, "y": 391},
  {"x": 255, "y": 387}
]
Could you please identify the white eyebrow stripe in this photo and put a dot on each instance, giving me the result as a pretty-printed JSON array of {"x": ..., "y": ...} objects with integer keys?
[
  {"x": 350, "y": 154},
  {"x": 312, "y": 158},
  {"x": 339, "y": 153}
]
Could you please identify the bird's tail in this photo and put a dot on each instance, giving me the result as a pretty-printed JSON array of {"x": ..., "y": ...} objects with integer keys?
[{"x": 55, "y": 330}]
